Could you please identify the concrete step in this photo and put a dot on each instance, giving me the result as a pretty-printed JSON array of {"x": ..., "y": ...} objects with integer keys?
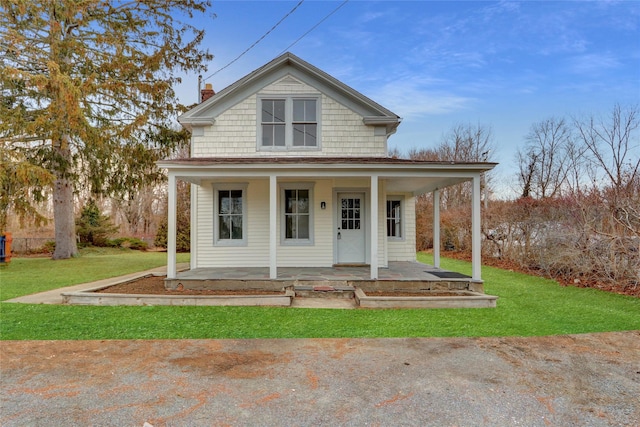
[
  {"x": 310, "y": 302},
  {"x": 324, "y": 291}
]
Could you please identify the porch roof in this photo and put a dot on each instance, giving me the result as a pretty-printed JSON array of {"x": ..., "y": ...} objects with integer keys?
[{"x": 401, "y": 175}]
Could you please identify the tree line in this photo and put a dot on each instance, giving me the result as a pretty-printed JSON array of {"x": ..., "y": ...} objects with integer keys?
[
  {"x": 577, "y": 213},
  {"x": 86, "y": 108}
]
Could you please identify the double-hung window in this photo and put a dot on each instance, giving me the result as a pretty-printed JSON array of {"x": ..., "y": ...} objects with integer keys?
[
  {"x": 230, "y": 210},
  {"x": 394, "y": 218},
  {"x": 289, "y": 123},
  {"x": 297, "y": 224}
]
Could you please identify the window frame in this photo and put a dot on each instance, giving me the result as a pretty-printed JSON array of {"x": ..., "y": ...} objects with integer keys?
[
  {"x": 283, "y": 214},
  {"x": 217, "y": 187},
  {"x": 400, "y": 219},
  {"x": 289, "y": 122}
]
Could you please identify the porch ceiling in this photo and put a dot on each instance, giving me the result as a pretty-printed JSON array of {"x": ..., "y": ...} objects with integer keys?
[
  {"x": 420, "y": 185},
  {"x": 400, "y": 175}
]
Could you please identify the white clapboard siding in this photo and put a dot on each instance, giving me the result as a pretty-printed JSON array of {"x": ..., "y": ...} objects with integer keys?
[
  {"x": 256, "y": 252},
  {"x": 320, "y": 253},
  {"x": 405, "y": 250}
]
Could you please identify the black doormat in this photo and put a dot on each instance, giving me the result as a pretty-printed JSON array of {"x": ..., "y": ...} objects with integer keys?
[{"x": 448, "y": 275}]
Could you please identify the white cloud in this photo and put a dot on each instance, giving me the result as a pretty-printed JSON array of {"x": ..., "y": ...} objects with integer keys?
[
  {"x": 414, "y": 97},
  {"x": 593, "y": 63}
]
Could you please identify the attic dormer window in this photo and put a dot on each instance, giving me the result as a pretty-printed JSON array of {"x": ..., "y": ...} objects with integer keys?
[{"x": 288, "y": 123}]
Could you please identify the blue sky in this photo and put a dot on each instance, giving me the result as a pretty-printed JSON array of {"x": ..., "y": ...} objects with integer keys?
[{"x": 436, "y": 64}]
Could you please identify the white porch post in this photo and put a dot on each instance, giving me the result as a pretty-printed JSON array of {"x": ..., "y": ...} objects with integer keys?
[
  {"x": 273, "y": 242},
  {"x": 171, "y": 228},
  {"x": 476, "y": 243},
  {"x": 436, "y": 228},
  {"x": 374, "y": 227}
]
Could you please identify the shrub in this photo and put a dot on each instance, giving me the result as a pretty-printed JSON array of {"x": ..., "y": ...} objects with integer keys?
[
  {"x": 183, "y": 236},
  {"x": 128, "y": 242},
  {"x": 92, "y": 227}
]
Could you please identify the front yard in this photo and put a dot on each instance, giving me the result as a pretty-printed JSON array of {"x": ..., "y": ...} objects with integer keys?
[{"x": 528, "y": 306}]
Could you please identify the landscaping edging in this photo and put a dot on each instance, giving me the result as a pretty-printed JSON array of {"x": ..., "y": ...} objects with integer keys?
[
  {"x": 464, "y": 299},
  {"x": 91, "y": 297}
]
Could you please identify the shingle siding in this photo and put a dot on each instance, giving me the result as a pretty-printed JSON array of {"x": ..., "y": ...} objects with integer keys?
[{"x": 234, "y": 133}]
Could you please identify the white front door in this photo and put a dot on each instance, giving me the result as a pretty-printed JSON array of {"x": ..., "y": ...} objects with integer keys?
[{"x": 350, "y": 233}]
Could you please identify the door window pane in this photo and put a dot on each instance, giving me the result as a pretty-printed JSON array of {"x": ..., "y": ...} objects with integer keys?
[{"x": 350, "y": 213}]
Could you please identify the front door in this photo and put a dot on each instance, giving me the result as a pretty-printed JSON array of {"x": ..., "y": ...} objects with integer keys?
[{"x": 350, "y": 233}]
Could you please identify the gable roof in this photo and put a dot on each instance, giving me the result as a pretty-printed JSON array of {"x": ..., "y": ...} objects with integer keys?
[{"x": 289, "y": 64}]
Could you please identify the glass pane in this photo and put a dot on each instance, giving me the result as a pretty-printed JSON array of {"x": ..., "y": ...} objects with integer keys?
[
  {"x": 357, "y": 224},
  {"x": 290, "y": 227},
  {"x": 236, "y": 201},
  {"x": 224, "y": 202},
  {"x": 289, "y": 201},
  {"x": 223, "y": 227},
  {"x": 344, "y": 224},
  {"x": 344, "y": 213},
  {"x": 267, "y": 110},
  {"x": 278, "y": 135},
  {"x": 310, "y": 110},
  {"x": 298, "y": 110},
  {"x": 303, "y": 227},
  {"x": 310, "y": 135},
  {"x": 350, "y": 213},
  {"x": 236, "y": 227},
  {"x": 298, "y": 135},
  {"x": 278, "y": 111},
  {"x": 350, "y": 203},
  {"x": 356, "y": 213},
  {"x": 356, "y": 203},
  {"x": 303, "y": 201},
  {"x": 267, "y": 135},
  {"x": 344, "y": 203}
]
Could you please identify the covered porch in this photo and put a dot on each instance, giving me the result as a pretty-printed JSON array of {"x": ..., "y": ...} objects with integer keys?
[{"x": 375, "y": 177}]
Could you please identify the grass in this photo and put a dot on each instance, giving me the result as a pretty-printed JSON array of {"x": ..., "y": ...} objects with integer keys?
[
  {"x": 24, "y": 276},
  {"x": 528, "y": 306}
]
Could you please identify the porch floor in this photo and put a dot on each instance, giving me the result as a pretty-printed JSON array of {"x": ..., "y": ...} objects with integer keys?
[{"x": 397, "y": 271}]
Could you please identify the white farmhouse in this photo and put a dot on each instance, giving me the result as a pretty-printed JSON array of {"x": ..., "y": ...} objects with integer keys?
[{"x": 289, "y": 168}]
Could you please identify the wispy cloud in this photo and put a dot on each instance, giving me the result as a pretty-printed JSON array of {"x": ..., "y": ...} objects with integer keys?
[
  {"x": 592, "y": 63},
  {"x": 414, "y": 97}
]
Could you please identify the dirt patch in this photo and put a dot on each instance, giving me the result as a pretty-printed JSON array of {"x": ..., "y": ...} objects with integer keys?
[
  {"x": 590, "y": 379},
  {"x": 154, "y": 285}
]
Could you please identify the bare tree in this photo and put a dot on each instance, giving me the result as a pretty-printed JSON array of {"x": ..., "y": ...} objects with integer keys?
[
  {"x": 613, "y": 145},
  {"x": 463, "y": 143},
  {"x": 543, "y": 161}
]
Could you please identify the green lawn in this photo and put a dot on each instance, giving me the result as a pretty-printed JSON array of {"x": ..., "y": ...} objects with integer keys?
[{"x": 527, "y": 306}]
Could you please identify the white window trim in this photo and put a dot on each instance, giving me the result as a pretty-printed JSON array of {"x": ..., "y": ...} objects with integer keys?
[
  {"x": 216, "y": 231},
  {"x": 283, "y": 218},
  {"x": 400, "y": 199},
  {"x": 288, "y": 133}
]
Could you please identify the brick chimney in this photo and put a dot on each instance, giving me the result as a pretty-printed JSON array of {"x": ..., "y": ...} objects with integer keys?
[{"x": 207, "y": 92}]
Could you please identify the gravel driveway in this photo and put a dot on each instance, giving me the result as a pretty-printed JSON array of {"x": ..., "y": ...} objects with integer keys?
[{"x": 581, "y": 380}]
